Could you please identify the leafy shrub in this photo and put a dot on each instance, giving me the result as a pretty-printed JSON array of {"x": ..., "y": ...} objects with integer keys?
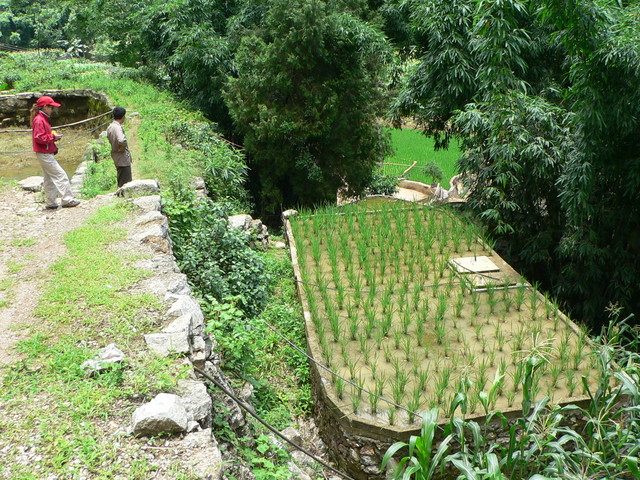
[
  {"x": 223, "y": 168},
  {"x": 229, "y": 326},
  {"x": 216, "y": 258},
  {"x": 432, "y": 170},
  {"x": 382, "y": 184}
]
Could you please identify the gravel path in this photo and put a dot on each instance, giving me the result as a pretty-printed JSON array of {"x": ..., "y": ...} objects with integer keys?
[{"x": 31, "y": 239}]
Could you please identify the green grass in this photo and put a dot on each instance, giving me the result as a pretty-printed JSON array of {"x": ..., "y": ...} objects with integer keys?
[
  {"x": 14, "y": 267},
  {"x": 47, "y": 403},
  {"x": 153, "y": 154},
  {"x": 284, "y": 391},
  {"x": 23, "y": 242},
  {"x": 412, "y": 146}
]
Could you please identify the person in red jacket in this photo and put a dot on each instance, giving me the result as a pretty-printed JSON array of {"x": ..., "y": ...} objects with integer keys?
[{"x": 56, "y": 181}]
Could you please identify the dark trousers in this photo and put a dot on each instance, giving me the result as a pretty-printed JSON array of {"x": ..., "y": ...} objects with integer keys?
[{"x": 124, "y": 175}]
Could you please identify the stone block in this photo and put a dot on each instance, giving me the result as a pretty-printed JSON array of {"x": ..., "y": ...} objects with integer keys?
[
  {"x": 165, "y": 344},
  {"x": 164, "y": 414}
]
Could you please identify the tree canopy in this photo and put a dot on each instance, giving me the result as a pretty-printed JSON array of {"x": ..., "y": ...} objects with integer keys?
[
  {"x": 544, "y": 95},
  {"x": 306, "y": 97}
]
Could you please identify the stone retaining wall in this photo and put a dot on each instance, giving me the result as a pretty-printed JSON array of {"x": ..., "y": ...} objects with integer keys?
[{"x": 15, "y": 109}]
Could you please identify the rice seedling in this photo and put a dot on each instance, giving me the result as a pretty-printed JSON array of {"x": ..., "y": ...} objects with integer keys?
[
  {"x": 563, "y": 350},
  {"x": 397, "y": 339},
  {"x": 475, "y": 299},
  {"x": 576, "y": 356},
  {"x": 371, "y": 294},
  {"x": 334, "y": 323},
  {"x": 518, "y": 341},
  {"x": 419, "y": 334},
  {"x": 413, "y": 405},
  {"x": 327, "y": 353},
  {"x": 459, "y": 305},
  {"x": 340, "y": 384},
  {"x": 387, "y": 299},
  {"x": 507, "y": 299},
  {"x": 373, "y": 402},
  {"x": 548, "y": 308},
  {"x": 478, "y": 330},
  {"x": 521, "y": 290},
  {"x": 351, "y": 365},
  {"x": 484, "y": 342},
  {"x": 423, "y": 377},
  {"x": 379, "y": 385},
  {"x": 379, "y": 338},
  {"x": 442, "y": 384},
  {"x": 492, "y": 301},
  {"x": 332, "y": 252},
  {"x": 405, "y": 321},
  {"x": 373, "y": 366},
  {"x": 340, "y": 296},
  {"x": 408, "y": 349},
  {"x": 534, "y": 301},
  {"x": 518, "y": 376},
  {"x": 481, "y": 377},
  {"x": 555, "y": 370},
  {"x": 391, "y": 415},
  {"x": 344, "y": 349},
  {"x": 441, "y": 308},
  {"x": 371, "y": 319},
  {"x": 388, "y": 355},
  {"x": 366, "y": 354},
  {"x": 441, "y": 332},
  {"x": 399, "y": 385},
  {"x": 316, "y": 252},
  {"x": 356, "y": 396},
  {"x": 443, "y": 266}
]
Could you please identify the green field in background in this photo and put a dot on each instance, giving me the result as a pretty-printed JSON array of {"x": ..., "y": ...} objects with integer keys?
[{"x": 412, "y": 145}]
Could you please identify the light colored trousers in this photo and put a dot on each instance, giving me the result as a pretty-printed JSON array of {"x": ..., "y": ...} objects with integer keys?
[{"x": 56, "y": 180}]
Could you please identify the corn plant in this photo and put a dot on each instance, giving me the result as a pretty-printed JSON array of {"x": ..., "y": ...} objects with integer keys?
[{"x": 420, "y": 461}]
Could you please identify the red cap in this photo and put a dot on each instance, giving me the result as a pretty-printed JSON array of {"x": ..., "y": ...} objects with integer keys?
[{"x": 47, "y": 100}]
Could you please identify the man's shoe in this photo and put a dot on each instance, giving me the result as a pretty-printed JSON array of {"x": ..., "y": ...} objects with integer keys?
[
  {"x": 72, "y": 203},
  {"x": 52, "y": 207}
]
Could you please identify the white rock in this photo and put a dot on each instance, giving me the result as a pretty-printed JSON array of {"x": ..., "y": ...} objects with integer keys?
[
  {"x": 165, "y": 344},
  {"x": 195, "y": 399},
  {"x": 32, "y": 184},
  {"x": 138, "y": 188},
  {"x": 105, "y": 356},
  {"x": 242, "y": 221},
  {"x": 149, "y": 203},
  {"x": 187, "y": 304},
  {"x": 164, "y": 414}
]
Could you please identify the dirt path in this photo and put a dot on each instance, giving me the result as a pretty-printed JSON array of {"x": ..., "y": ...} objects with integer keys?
[{"x": 31, "y": 240}]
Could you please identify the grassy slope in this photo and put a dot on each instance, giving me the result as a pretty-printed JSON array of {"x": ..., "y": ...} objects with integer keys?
[
  {"x": 282, "y": 391},
  {"x": 49, "y": 406}
]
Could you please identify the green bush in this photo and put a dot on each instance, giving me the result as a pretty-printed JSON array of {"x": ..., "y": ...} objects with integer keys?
[
  {"x": 217, "y": 259},
  {"x": 223, "y": 169},
  {"x": 382, "y": 184}
]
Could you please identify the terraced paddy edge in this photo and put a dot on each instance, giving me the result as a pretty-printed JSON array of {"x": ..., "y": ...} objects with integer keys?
[{"x": 406, "y": 305}]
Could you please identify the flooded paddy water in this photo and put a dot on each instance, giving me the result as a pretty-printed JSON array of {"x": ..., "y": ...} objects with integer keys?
[
  {"x": 17, "y": 160},
  {"x": 83, "y": 115}
]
